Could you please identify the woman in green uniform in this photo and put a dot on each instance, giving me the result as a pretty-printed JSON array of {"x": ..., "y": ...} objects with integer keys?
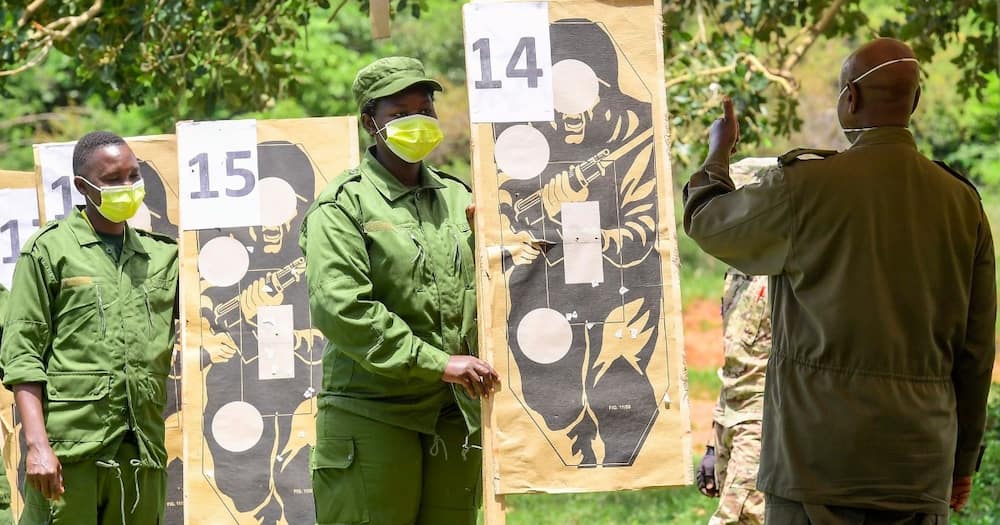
[{"x": 391, "y": 282}]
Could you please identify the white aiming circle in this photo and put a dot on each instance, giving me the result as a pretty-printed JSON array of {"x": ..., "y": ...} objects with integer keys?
[
  {"x": 544, "y": 335},
  {"x": 277, "y": 201},
  {"x": 142, "y": 220},
  {"x": 223, "y": 261},
  {"x": 237, "y": 426},
  {"x": 521, "y": 152},
  {"x": 575, "y": 87}
]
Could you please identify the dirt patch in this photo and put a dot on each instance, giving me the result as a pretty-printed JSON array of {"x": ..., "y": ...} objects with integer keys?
[
  {"x": 703, "y": 347},
  {"x": 703, "y": 335},
  {"x": 701, "y": 424}
]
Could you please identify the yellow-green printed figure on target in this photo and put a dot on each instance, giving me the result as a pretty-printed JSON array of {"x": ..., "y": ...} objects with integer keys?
[
  {"x": 389, "y": 265},
  {"x": 86, "y": 350}
]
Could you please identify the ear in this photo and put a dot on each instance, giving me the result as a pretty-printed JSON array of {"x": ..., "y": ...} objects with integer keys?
[
  {"x": 81, "y": 186},
  {"x": 916, "y": 100},
  {"x": 368, "y": 123},
  {"x": 853, "y": 98}
]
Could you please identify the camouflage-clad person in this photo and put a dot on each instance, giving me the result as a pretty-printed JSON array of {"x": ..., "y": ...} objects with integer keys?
[
  {"x": 729, "y": 468},
  {"x": 747, "y": 343}
]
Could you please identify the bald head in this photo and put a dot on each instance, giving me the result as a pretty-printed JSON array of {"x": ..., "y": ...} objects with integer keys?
[{"x": 885, "y": 96}]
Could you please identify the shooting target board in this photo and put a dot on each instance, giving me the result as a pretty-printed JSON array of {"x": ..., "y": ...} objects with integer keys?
[
  {"x": 252, "y": 359},
  {"x": 579, "y": 295},
  {"x": 19, "y": 219}
]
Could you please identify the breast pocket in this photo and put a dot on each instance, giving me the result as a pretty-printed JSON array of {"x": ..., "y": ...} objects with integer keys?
[
  {"x": 77, "y": 406},
  {"x": 156, "y": 298},
  {"x": 79, "y": 309},
  {"x": 398, "y": 256}
]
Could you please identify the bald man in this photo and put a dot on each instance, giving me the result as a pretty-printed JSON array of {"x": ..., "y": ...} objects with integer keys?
[{"x": 883, "y": 291}]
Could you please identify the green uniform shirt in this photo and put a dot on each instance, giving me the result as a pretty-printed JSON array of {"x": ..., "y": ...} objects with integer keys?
[
  {"x": 392, "y": 287},
  {"x": 97, "y": 333},
  {"x": 3, "y": 308},
  {"x": 883, "y": 295}
]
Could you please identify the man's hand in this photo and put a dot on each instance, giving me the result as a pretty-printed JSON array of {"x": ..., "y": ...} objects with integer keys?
[
  {"x": 525, "y": 251},
  {"x": 724, "y": 133},
  {"x": 220, "y": 346},
  {"x": 560, "y": 190},
  {"x": 476, "y": 376},
  {"x": 960, "y": 490},
  {"x": 41, "y": 465},
  {"x": 44, "y": 471},
  {"x": 262, "y": 292},
  {"x": 705, "y": 474}
]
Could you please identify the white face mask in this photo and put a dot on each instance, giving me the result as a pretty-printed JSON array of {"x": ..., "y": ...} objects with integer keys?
[{"x": 852, "y": 133}]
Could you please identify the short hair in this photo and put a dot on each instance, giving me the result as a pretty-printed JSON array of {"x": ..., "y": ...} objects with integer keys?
[{"x": 88, "y": 144}]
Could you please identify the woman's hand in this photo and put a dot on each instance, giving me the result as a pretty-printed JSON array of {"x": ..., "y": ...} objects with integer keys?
[{"x": 476, "y": 376}]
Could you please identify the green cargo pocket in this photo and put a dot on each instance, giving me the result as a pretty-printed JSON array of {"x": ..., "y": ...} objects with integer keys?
[
  {"x": 76, "y": 406},
  {"x": 338, "y": 484}
]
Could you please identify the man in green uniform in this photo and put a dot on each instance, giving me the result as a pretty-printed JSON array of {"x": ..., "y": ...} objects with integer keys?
[
  {"x": 392, "y": 286},
  {"x": 86, "y": 349},
  {"x": 5, "y": 517},
  {"x": 883, "y": 291}
]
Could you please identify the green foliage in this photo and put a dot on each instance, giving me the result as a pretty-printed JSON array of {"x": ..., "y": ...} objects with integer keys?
[
  {"x": 181, "y": 57},
  {"x": 751, "y": 49},
  {"x": 964, "y": 134}
]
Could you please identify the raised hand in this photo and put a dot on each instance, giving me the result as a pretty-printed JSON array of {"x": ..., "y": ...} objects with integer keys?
[{"x": 725, "y": 132}]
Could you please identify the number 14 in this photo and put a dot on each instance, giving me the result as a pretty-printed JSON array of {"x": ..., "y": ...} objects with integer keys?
[{"x": 531, "y": 71}]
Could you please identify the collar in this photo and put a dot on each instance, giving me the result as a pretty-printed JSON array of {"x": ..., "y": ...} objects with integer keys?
[
  {"x": 387, "y": 183},
  {"x": 885, "y": 135},
  {"x": 84, "y": 232}
]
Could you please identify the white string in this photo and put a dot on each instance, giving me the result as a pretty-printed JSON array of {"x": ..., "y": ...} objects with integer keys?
[{"x": 874, "y": 69}]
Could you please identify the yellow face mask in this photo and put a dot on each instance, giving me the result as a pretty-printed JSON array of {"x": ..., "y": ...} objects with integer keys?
[
  {"x": 119, "y": 203},
  {"x": 412, "y": 138}
]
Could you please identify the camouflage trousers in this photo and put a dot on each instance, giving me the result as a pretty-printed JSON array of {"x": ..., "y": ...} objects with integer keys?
[{"x": 737, "y": 456}]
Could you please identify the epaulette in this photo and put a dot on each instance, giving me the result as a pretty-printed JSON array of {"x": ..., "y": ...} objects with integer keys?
[
  {"x": 798, "y": 154},
  {"x": 158, "y": 236},
  {"x": 455, "y": 178},
  {"x": 30, "y": 243},
  {"x": 959, "y": 176},
  {"x": 332, "y": 190},
  {"x": 334, "y": 187}
]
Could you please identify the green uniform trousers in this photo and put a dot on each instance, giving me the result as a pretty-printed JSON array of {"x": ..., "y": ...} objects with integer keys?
[
  {"x": 102, "y": 494},
  {"x": 368, "y": 472},
  {"x": 787, "y": 512}
]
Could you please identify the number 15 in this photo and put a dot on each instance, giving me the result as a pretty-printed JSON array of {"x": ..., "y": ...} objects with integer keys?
[{"x": 204, "y": 189}]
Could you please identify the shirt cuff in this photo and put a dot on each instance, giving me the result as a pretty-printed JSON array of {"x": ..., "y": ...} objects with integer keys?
[
  {"x": 430, "y": 364},
  {"x": 967, "y": 461},
  {"x": 20, "y": 375}
]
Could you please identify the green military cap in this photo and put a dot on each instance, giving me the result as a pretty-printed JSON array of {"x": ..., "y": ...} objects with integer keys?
[{"x": 388, "y": 76}]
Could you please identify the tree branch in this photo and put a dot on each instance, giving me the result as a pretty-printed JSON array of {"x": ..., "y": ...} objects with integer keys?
[
  {"x": 71, "y": 23},
  {"x": 811, "y": 35},
  {"x": 34, "y": 61},
  {"x": 785, "y": 80},
  {"x": 28, "y": 11}
]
